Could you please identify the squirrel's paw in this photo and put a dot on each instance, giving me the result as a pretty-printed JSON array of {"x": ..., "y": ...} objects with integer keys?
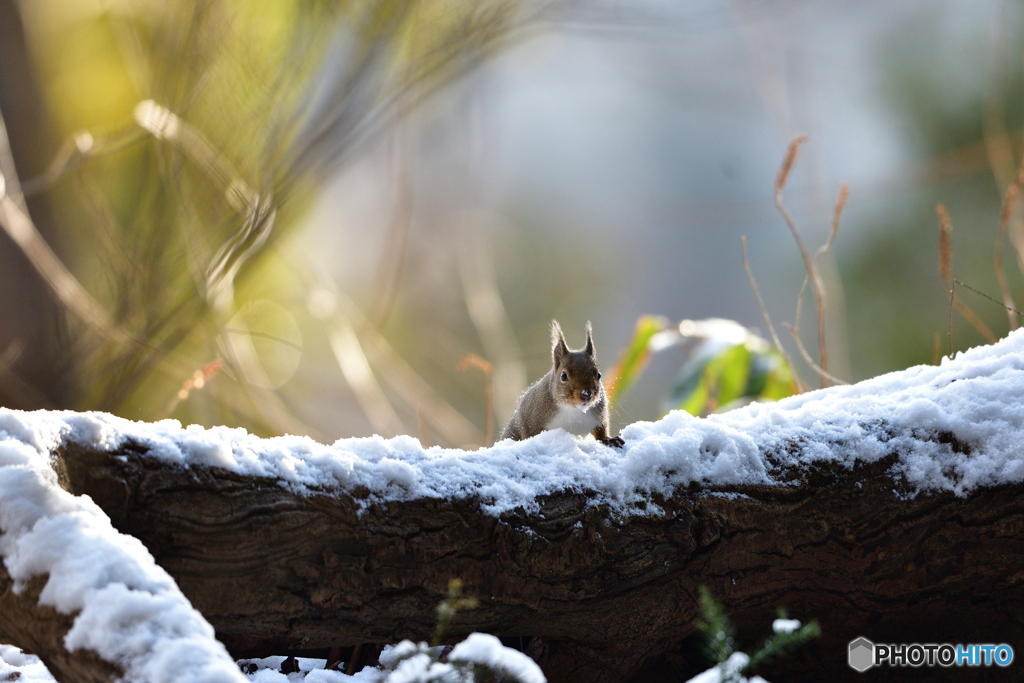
[{"x": 614, "y": 442}]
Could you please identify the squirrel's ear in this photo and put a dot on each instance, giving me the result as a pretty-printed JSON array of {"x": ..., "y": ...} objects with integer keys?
[
  {"x": 558, "y": 346},
  {"x": 590, "y": 341}
]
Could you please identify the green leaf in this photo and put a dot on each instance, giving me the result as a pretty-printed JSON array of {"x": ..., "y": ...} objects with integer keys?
[
  {"x": 729, "y": 372},
  {"x": 634, "y": 357},
  {"x": 690, "y": 392},
  {"x": 715, "y": 375},
  {"x": 778, "y": 381}
]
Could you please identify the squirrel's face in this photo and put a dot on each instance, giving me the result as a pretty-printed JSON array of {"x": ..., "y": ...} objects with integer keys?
[{"x": 575, "y": 380}]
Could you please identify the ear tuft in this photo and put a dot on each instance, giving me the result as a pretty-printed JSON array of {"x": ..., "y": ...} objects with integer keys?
[
  {"x": 590, "y": 341},
  {"x": 558, "y": 346}
]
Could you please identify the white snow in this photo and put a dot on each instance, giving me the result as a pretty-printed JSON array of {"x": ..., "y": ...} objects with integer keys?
[
  {"x": 129, "y": 610},
  {"x": 486, "y": 650},
  {"x": 785, "y": 625},
  {"x": 267, "y": 670},
  {"x": 15, "y": 665},
  {"x": 728, "y": 671}
]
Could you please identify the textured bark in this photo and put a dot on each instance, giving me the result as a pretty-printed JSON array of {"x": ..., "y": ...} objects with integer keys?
[
  {"x": 593, "y": 597},
  {"x": 40, "y": 630}
]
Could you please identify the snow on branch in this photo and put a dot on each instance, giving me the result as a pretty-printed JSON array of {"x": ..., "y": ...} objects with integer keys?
[
  {"x": 125, "y": 608},
  {"x": 956, "y": 427}
]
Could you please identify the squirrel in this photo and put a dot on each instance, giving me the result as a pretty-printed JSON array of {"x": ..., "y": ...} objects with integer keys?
[{"x": 569, "y": 396}]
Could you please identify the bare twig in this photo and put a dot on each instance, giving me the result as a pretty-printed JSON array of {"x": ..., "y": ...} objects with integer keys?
[
  {"x": 351, "y": 358},
  {"x": 258, "y": 211},
  {"x": 812, "y": 271},
  {"x": 75, "y": 151},
  {"x": 1009, "y": 203},
  {"x": 945, "y": 243},
  {"x": 19, "y": 227},
  {"x": 69, "y": 291},
  {"x": 949, "y": 333},
  {"x": 973, "y": 319},
  {"x": 946, "y": 269},
  {"x": 810, "y": 361},
  {"x": 983, "y": 294},
  {"x": 767, "y": 320},
  {"x": 837, "y": 214}
]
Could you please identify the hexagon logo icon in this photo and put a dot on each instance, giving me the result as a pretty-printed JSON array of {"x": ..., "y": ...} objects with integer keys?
[{"x": 862, "y": 654}]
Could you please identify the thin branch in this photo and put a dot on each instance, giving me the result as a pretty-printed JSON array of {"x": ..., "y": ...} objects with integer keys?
[
  {"x": 767, "y": 320},
  {"x": 356, "y": 368},
  {"x": 949, "y": 332},
  {"x": 983, "y": 294},
  {"x": 68, "y": 290},
  {"x": 351, "y": 356},
  {"x": 945, "y": 243},
  {"x": 837, "y": 214},
  {"x": 810, "y": 361},
  {"x": 812, "y": 272},
  {"x": 75, "y": 151},
  {"x": 1009, "y": 202},
  {"x": 974, "y": 320},
  {"x": 257, "y": 210},
  {"x": 946, "y": 269}
]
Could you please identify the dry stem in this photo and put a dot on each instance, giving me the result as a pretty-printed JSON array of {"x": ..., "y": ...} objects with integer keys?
[
  {"x": 945, "y": 243},
  {"x": 946, "y": 268},
  {"x": 767, "y": 320},
  {"x": 1009, "y": 202},
  {"x": 810, "y": 361},
  {"x": 812, "y": 271}
]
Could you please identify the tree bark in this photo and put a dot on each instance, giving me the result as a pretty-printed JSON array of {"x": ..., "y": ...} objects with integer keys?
[{"x": 594, "y": 597}]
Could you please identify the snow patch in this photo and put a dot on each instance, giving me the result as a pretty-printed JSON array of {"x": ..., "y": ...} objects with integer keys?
[
  {"x": 486, "y": 650},
  {"x": 953, "y": 427},
  {"x": 129, "y": 610},
  {"x": 785, "y": 625}
]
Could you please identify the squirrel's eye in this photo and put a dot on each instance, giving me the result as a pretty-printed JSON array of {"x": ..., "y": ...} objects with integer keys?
[
  {"x": 565, "y": 377},
  {"x": 599, "y": 375}
]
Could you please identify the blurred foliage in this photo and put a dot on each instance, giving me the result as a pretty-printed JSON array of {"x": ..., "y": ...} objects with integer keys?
[
  {"x": 727, "y": 366},
  {"x": 246, "y": 107},
  {"x": 963, "y": 112},
  {"x": 720, "y": 639}
]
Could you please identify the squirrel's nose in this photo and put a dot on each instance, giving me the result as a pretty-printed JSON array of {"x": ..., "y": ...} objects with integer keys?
[{"x": 585, "y": 394}]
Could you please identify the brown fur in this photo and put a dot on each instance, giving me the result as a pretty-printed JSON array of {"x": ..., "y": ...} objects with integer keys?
[{"x": 553, "y": 402}]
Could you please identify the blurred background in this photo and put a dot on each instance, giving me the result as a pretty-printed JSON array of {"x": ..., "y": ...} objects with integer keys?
[{"x": 348, "y": 218}]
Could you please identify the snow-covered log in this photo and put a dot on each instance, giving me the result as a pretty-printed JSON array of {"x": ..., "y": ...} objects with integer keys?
[
  {"x": 90, "y": 601},
  {"x": 891, "y": 509}
]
